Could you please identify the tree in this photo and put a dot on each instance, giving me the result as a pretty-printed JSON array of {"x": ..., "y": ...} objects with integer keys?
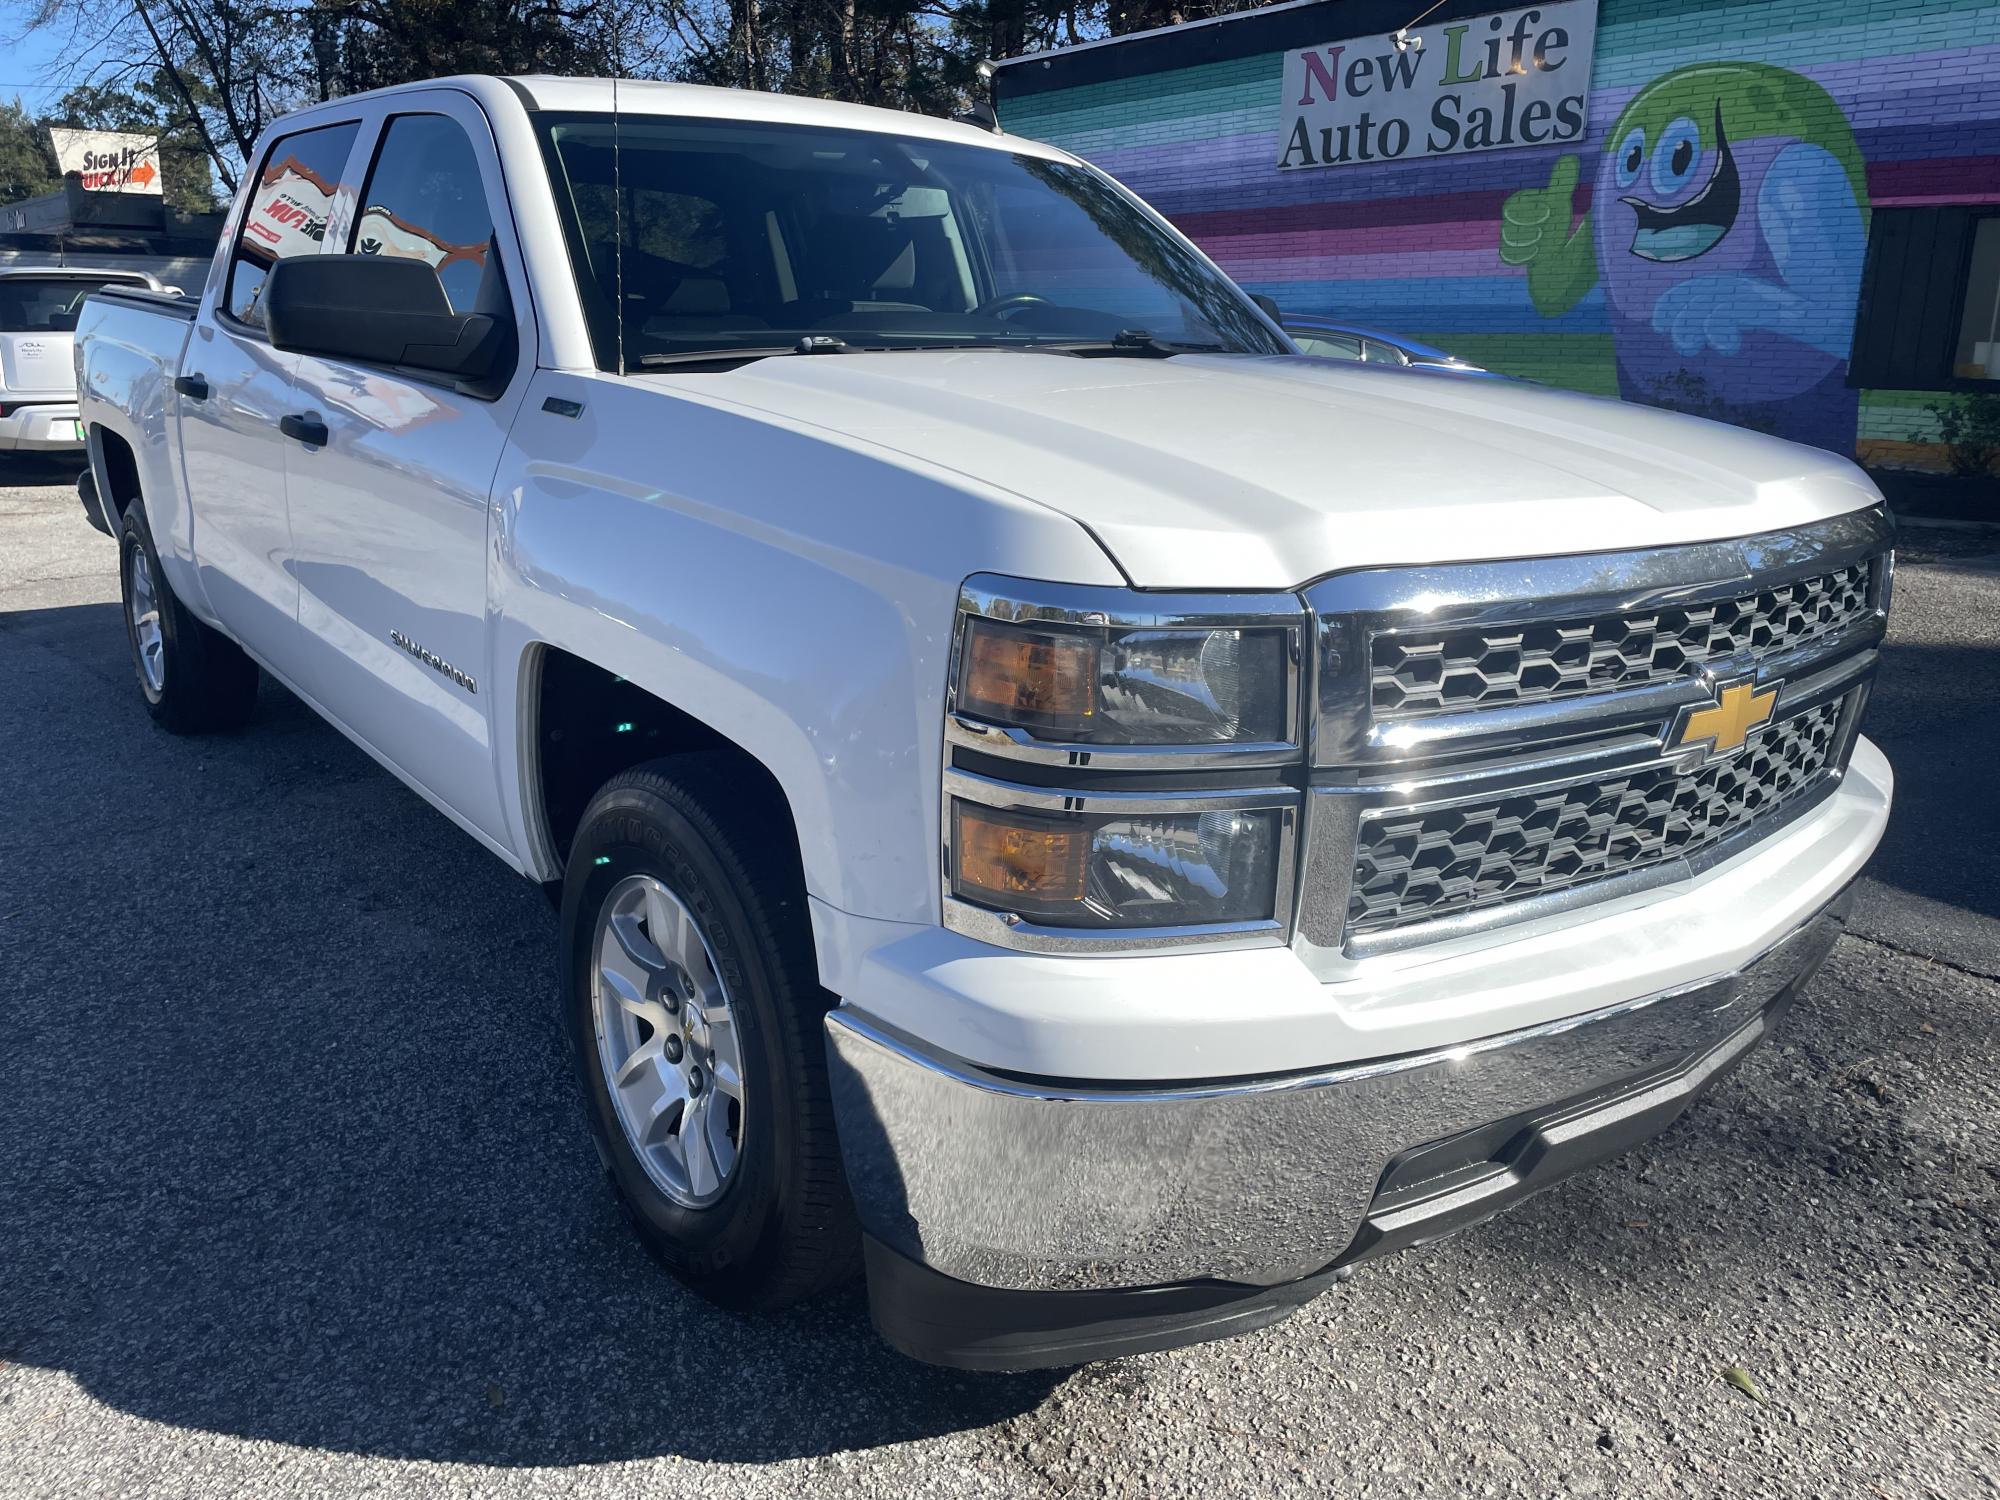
[
  {"x": 215, "y": 72},
  {"x": 27, "y": 166}
]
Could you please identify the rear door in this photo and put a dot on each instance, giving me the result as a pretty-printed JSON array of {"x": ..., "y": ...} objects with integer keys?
[
  {"x": 38, "y": 335},
  {"x": 390, "y": 517},
  {"x": 234, "y": 387}
]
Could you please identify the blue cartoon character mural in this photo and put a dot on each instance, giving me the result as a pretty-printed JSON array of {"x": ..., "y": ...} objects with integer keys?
[{"x": 1728, "y": 224}]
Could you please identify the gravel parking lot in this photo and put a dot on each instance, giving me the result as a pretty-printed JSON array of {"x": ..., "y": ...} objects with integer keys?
[{"x": 295, "y": 1198}]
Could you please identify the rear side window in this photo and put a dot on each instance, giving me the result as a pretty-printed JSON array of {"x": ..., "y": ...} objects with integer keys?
[
  {"x": 31, "y": 305},
  {"x": 424, "y": 200},
  {"x": 288, "y": 210}
]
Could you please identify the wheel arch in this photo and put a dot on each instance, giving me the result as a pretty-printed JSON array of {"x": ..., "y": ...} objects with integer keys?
[
  {"x": 582, "y": 724},
  {"x": 114, "y": 468}
]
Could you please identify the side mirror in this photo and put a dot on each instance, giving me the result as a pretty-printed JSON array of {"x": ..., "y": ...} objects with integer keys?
[
  {"x": 1270, "y": 308},
  {"x": 379, "y": 310}
]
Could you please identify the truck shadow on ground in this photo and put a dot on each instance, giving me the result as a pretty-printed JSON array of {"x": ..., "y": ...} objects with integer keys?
[
  {"x": 292, "y": 1152},
  {"x": 41, "y": 468}
]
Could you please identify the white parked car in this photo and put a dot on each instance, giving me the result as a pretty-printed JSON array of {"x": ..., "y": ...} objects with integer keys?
[
  {"x": 38, "y": 312},
  {"x": 1053, "y": 795}
]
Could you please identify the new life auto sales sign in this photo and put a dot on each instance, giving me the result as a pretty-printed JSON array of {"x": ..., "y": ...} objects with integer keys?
[
  {"x": 108, "y": 161},
  {"x": 1515, "y": 78}
]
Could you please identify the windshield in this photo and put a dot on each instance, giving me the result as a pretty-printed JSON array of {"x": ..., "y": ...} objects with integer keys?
[
  {"x": 744, "y": 236},
  {"x": 41, "y": 305}
]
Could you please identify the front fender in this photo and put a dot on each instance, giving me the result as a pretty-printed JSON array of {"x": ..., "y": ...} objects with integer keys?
[{"x": 789, "y": 588}]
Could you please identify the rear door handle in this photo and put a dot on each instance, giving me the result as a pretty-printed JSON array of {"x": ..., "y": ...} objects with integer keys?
[
  {"x": 194, "y": 387},
  {"x": 306, "y": 428}
]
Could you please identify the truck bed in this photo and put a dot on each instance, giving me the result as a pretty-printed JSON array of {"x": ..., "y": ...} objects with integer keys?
[{"x": 169, "y": 303}]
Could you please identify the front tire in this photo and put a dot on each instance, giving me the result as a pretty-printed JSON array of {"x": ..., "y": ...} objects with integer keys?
[
  {"x": 194, "y": 678},
  {"x": 693, "y": 1012}
]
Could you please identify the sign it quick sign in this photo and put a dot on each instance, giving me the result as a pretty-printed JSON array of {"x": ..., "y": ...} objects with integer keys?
[
  {"x": 108, "y": 161},
  {"x": 1518, "y": 78}
]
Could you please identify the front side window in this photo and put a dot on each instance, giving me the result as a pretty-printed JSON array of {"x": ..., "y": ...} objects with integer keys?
[
  {"x": 289, "y": 205},
  {"x": 424, "y": 200},
  {"x": 747, "y": 235}
]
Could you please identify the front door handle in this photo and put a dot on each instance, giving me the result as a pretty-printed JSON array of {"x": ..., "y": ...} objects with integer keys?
[
  {"x": 194, "y": 387},
  {"x": 306, "y": 428}
]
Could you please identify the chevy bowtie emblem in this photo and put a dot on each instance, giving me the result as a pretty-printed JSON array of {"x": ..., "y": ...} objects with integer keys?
[{"x": 1724, "y": 725}]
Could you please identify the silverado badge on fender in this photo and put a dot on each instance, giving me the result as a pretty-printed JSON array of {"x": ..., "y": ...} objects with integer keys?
[
  {"x": 1724, "y": 725},
  {"x": 435, "y": 662}
]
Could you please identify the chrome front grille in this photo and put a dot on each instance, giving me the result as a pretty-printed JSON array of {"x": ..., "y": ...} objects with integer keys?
[
  {"x": 1417, "y": 864},
  {"x": 1495, "y": 743},
  {"x": 1443, "y": 671}
]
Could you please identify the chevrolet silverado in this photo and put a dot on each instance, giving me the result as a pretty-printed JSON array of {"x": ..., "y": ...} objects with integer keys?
[{"x": 1057, "y": 801}]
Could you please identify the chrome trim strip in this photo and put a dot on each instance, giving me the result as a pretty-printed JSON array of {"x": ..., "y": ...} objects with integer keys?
[
  {"x": 1018, "y": 744},
  {"x": 970, "y": 786},
  {"x": 1022, "y": 600},
  {"x": 1010, "y": 931}
]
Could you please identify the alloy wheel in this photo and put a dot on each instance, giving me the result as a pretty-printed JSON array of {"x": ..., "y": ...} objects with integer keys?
[{"x": 667, "y": 1040}]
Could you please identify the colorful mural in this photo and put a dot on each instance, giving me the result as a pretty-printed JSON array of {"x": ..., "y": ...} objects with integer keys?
[
  {"x": 1830, "y": 109},
  {"x": 1728, "y": 227}
]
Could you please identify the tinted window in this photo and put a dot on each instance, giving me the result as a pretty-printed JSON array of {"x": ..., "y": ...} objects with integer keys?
[
  {"x": 1382, "y": 354},
  {"x": 289, "y": 205},
  {"x": 1329, "y": 345},
  {"x": 32, "y": 305},
  {"x": 424, "y": 200},
  {"x": 749, "y": 235}
]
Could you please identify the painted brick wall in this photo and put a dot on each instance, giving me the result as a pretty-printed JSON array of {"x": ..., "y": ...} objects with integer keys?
[{"x": 1414, "y": 246}]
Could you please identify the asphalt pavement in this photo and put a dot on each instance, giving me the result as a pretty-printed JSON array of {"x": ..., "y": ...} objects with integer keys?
[{"x": 296, "y": 1199}]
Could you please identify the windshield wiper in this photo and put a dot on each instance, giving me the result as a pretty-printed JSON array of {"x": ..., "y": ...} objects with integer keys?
[
  {"x": 811, "y": 344},
  {"x": 1132, "y": 343}
]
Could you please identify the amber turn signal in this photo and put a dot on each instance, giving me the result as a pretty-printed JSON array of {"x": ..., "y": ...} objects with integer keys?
[
  {"x": 1006, "y": 858},
  {"x": 1028, "y": 677}
]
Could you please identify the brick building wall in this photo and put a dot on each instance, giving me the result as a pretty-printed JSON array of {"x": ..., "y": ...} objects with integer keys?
[{"x": 1415, "y": 245}]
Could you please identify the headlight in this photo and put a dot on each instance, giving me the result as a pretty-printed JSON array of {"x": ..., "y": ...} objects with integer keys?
[
  {"x": 1122, "y": 767},
  {"x": 1118, "y": 869},
  {"x": 1094, "y": 684}
]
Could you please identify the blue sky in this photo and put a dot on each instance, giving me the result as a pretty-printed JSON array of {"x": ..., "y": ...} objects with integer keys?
[{"x": 26, "y": 60}]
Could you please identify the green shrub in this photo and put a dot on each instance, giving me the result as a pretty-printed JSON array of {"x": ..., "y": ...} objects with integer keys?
[{"x": 1970, "y": 428}]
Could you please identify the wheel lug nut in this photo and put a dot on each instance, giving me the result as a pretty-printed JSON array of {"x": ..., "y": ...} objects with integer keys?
[
  {"x": 694, "y": 1080},
  {"x": 673, "y": 1049}
]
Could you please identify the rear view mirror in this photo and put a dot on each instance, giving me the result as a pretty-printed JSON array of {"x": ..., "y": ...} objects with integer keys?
[
  {"x": 379, "y": 310},
  {"x": 1269, "y": 307}
]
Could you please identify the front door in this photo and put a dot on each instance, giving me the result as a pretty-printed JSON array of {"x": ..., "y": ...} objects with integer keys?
[
  {"x": 390, "y": 516},
  {"x": 233, "y": 389}
]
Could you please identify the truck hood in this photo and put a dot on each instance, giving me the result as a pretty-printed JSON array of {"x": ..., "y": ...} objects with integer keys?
[{"x": 1207, "y": 471}]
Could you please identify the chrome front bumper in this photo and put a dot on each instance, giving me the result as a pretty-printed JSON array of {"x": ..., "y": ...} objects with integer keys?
[{"x": 1037, "y": 1186}]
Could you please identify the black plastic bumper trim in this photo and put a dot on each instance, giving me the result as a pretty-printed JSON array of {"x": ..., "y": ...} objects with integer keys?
[{"x": 943, "y": 1321}]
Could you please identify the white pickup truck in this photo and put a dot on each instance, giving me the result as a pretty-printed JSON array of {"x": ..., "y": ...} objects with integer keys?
[{"x": 1054, "y": 796}]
